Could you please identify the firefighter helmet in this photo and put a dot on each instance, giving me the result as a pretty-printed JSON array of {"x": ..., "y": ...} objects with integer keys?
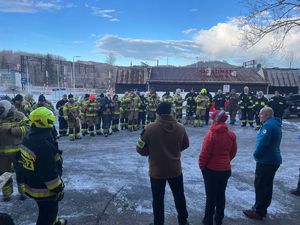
[
  {"x": 42, "y": 118},
  {"x": 203, "y": 91}
]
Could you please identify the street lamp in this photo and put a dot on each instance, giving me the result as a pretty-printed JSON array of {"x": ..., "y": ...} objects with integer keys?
[{"x": 73, "y": 71}]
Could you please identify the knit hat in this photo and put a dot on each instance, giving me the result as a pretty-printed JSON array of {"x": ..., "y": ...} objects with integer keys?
[
  {"x": 18, "y": 97},
  {"x": 42, "y": 98},
  {"x": 219, "y": 116},
  {"x": 164, "y": 108},
  {"x": 7, "y": 107}
]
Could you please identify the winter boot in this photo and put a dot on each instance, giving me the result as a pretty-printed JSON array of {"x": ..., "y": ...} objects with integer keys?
[{"x": 61, "y": 222}]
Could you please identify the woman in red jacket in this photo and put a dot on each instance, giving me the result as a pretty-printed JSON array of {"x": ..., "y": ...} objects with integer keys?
[{"x": 218, "y": 149}]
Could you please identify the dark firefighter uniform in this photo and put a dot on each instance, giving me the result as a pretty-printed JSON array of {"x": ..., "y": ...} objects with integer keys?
[
  {"x": 116, "y": 105},
  {"x": 63, "y": 124},
  {"x": 278, "y": 104},
  {"x": 261, "y": 101},
  {"x": 39, "y": 167},
  {"x": 246, "y": 104},
  {"x": 233, "y": 107},
  {"x": 219, "y": 99},
  {"x": 142, "y": 112},
  {"x": 13, "y": 128},
  {"x": 190, "y": 106},
  {"x": 107, "y": 115}
]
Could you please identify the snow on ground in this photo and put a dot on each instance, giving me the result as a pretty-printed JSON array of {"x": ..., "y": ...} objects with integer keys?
[{"x": 107, "y": 181}]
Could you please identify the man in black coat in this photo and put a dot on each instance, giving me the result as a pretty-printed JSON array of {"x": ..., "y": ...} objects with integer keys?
[{"x": 63, "y": 124}]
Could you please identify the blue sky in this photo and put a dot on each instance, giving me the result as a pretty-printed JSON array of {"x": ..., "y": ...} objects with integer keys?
[{"x": 175, "y": 31}]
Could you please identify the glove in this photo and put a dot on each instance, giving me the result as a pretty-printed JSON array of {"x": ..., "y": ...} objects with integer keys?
[
  {"x": 65, "y": 117},
  {"x": 60, "y": 196}
]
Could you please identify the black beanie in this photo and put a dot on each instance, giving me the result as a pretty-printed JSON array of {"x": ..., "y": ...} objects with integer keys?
[
  {"x": 70, "y": 96},
  {"x": 164, "y": 108},
  {"x": 19, "y": 97},
  {"x": 42, "y": 98}
]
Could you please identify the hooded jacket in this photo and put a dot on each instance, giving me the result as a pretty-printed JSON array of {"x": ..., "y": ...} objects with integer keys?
[
  {"x": 13, "y": 128},
  {"x": 218, "y": 149},
  {"x": 163, "y": 141},
  {"x": 268, "y": 138}
]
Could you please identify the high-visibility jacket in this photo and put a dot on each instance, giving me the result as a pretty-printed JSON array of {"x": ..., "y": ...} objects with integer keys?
[
  {"x": 202, "y": 101},
  {"x": 39, "y": 168},
  {"x": 177, "y": 101},
  {"x": 246, "y": 101},
  {"x": 13, "y": 129}
]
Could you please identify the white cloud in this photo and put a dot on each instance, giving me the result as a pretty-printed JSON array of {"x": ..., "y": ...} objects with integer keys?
[
  {"x": 147, "y": 49},
  {"x": 220, "y": 42},
  {"x": 109, "y": 14},
  {"x": 188, "y": 31},
  {"x": 31, "y": 6},
  {"x": 223, "y": 41}
]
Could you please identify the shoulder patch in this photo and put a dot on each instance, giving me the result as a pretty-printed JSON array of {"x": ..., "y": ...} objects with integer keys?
[{"x": 264, "y": 131}]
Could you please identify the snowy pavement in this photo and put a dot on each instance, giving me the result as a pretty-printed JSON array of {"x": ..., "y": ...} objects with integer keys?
[{"x": 107, "y": 182}]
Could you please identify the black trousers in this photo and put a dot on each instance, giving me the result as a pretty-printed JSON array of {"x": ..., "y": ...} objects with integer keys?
[
  {"x": 206, "y": 116},
  {"x": 247, "y": 116},
  {"x": 215, "y": 186},
  {"x": 298, "y": 185},
  {"x": 158, "y": 193},
  {"x": 63, "y": 125},
  {"x": 142, "y": 119},
  {"x": 48, "y": 210},
  {"x": 263, "y": 183}
]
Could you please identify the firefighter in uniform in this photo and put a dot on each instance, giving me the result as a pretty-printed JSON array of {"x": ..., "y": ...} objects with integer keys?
[
  {"x": 190, "y": 106},
  {"x": 167, "y": 97},
  {"x": 99, "y": 109},
  {"x": 63, "y": 124},
  {"x": 153, "y": 101},
  {"x": 124, "y": 111},
  {"x": 261, "y": 101},
  {"x": 177, "y": 102},
  {"x": 278, "y": 104},
  {"x": 116, "y": 105},
  {"x": 42, "y": 102},
  {"x": 246, "y": 104},
  {"x": 82, "y": 115},
  {"x": 202, "y": 101},
  {"x": 41, "y": 174},
  {"x": 219, "y": 99},
  {"x": 71, "y": 113},
  {"x": 90, "y": 111},
  {"x": 106, "y": 116},
  {"x": 208, "y": 107},
  {"x": 29, "y": 101},
  {"x": 21, "y": 105},
  {"x": 233, "y": 107},
  {"x": 13, "y": 127},
  {"x": 133, "y": 109},
  {"x": 142, "y": 111}
]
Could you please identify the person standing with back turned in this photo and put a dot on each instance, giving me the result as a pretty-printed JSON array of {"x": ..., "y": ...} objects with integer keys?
[{"x": 163, "y": 141}]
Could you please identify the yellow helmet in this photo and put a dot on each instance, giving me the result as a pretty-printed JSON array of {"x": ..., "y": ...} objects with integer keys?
[
  {"x": 42, "y": 118},
  {"x": 203, "y": 91}
]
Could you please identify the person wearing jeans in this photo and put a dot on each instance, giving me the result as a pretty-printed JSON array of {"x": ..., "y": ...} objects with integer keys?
[
  {"x": 163, "y": 141},
  {"x": 218, "y": 149}
]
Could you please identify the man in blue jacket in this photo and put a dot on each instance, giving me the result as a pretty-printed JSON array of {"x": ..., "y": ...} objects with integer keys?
[{"x": 268, "y": 159}]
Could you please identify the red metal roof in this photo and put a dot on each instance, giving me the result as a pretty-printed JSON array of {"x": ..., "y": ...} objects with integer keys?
[
  {"x": 282, "y": 77},
  {"x": 213, "y": 75}
]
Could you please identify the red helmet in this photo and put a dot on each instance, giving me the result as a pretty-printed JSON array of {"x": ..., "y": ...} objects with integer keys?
[{"x": 92, "y": 97}]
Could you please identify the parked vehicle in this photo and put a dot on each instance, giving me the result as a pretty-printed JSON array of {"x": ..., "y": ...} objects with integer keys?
[{"x": 293, "y": 108}]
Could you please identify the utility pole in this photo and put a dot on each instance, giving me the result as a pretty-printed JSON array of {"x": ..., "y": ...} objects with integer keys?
[{"x": 73, "y": 72}]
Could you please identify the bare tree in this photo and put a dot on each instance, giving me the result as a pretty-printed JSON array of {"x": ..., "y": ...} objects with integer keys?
[
  {"x": 275, "y": 17},
  {"x": 110, "y": 59}
]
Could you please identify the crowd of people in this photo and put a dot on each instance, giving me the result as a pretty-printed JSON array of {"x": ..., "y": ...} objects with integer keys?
[
  {"x": 29, "y": 143},
  {"x": 103, "y": 114}
]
